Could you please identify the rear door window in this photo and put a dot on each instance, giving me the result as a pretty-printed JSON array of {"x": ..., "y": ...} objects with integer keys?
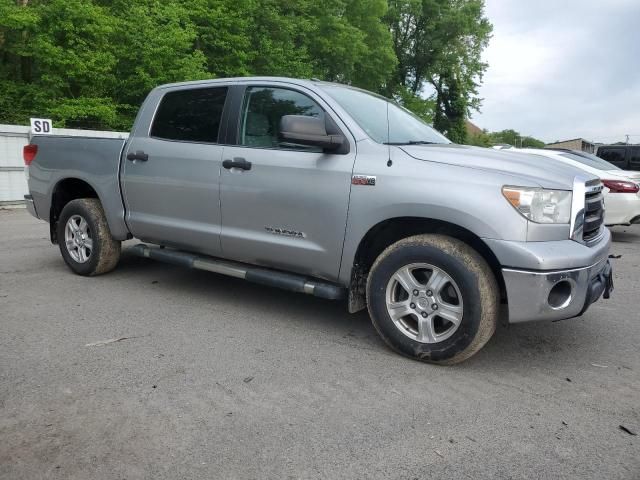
[
  {"x": 613, "y": 155},
  {"x": 191, "y": 115}
]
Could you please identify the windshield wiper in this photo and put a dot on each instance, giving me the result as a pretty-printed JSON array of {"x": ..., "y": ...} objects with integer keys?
[{"x": 412, "y": 142}]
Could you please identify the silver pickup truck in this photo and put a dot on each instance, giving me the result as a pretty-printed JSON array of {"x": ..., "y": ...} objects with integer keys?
[{"x": 332, "y": 191}]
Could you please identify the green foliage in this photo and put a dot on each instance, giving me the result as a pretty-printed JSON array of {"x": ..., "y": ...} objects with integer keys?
[
  {"x": 337, "y": 40},
  {"x": 52, "y": 53},
  {"x": 482, "y": 139},
  {"x": 223, "y": 35},
  {"x": 90, "y": 63},
  {"x": 373, "y": 58},
  {"x": 514, "y": 138},
  {"x": 92, "y": 112},
  {"x": 509, "y": 136},
  {"x": 451, "y": 110},
  {"x": 156, "y": 42},
  {"x": 438, "y": 44},
  {"x": 422, "y": 106},
  {"x": 530, "y": 142}
]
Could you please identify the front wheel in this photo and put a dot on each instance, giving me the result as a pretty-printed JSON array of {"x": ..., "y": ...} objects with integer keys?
[
  {"x": 84, "y": 238},
  {"x": 433, "y": 298}
]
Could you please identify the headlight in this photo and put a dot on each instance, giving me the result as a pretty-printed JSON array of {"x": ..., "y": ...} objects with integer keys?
[{"x": 540, "y": 205}]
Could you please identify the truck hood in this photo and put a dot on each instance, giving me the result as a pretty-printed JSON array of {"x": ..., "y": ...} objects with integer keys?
[{"x": 545, "y": 172}]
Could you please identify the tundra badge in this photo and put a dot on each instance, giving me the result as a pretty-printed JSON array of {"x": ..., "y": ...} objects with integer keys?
[
  {"x": 285, "y": 231},
  {"x": 363, "y": 180}
]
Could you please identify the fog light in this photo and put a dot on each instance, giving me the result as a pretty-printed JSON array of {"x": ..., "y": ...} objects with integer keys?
[{"x": 560, "y": 295}]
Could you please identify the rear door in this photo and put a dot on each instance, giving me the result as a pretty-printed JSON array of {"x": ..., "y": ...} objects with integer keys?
[
  {"x": 171, "y": 172},
  {"x": 289, "y": 210}
]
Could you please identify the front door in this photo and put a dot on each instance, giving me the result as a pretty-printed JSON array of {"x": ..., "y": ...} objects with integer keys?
[
  {"x": 171, "y": 174},
  {"x": 285, "y": 206}
]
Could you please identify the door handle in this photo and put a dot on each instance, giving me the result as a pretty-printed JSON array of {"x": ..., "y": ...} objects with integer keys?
[
  {"x": 139, "y": 155},
  {"x": 237, "y": 162}
]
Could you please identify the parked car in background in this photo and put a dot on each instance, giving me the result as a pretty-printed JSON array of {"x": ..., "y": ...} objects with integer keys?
[
  {"x": 626, "y": 157},
  {"x": 622, "y": 187},
  {"x": 502, "y": 146}
]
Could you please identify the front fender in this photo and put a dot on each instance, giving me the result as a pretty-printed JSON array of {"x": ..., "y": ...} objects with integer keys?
[{"x": 465, "y": 197}]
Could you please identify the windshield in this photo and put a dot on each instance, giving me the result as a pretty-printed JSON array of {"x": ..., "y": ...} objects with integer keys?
[
  {"x": 591, "y": 161},
  {"x": 383, "y": 120}
]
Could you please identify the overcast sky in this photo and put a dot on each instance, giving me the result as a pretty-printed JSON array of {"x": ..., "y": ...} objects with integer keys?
[{"x": 561, "y": 69}]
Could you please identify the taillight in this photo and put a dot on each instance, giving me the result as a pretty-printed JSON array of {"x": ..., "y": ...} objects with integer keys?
[
  {"x": 620, "y": 186},
  {"x": 29, "y": 153}
]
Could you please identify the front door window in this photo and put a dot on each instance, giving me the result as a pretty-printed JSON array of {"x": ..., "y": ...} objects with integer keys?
[{"x": 262, "y": 110}]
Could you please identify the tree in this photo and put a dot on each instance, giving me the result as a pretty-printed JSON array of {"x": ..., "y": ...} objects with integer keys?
[
  {"x": 90, "y": 63},
  {"x": 530, "y": 142},
  {"x": 222, "y": 34},
  {"x": 512, "y": 137},
  {"x": 336, "y": 40},
  {"x": 154, "y": 42},
  {"x": 370, "y": 59},
  {"x": 480, "y": 139},
  {"x": 438, "y": 44},
  {"x": 451, "y": 109},
  {"x": 54, "y": 58}
]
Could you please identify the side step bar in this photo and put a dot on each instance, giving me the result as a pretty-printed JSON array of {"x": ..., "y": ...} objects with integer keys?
[{"x": 263, "y": 276}]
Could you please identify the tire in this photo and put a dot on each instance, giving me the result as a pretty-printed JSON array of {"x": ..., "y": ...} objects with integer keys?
[
  {"x": 462, "y": 289},
  {"x": 87, "y": 246}
]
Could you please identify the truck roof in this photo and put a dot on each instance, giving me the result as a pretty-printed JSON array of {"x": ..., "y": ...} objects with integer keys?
[
  {"x": 618, "y": 145},
  {"x": 213, "y": 81}
]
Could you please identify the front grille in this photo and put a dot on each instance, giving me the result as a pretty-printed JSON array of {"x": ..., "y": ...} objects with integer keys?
[{"x": 593, "y": 212}]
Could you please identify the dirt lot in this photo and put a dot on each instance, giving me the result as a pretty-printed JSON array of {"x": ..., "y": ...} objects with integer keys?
[{"x": 219, "y": 378}]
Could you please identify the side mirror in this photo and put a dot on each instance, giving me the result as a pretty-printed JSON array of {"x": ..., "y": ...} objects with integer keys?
[{"x": 308, "y": 131}]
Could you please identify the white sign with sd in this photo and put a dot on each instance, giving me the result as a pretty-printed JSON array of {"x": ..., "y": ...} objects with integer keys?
[{"x": 41, "y": 126}]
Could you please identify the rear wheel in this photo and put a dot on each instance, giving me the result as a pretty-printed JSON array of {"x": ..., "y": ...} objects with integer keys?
[
  {"x": 84, "y": 238},
  {"x": 433, "y": 298}
]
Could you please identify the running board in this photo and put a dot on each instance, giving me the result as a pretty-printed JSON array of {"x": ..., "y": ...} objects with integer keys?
[{"x": 262, "y": 276}]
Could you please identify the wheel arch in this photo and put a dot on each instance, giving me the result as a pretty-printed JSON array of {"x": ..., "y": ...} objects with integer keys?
[
  {"x": 389, "y": 231},
  {"x": 64, "y": 191}
]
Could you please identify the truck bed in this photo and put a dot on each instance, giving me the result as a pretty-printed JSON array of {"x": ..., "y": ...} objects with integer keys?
[{"x": 95, "y": 161}]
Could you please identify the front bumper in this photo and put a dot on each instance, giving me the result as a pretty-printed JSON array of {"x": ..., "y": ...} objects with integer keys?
[
  {"x": 31, "y": 208},
  {"x": 555, "y": 295},
  {"x": 576, "y": 273}
]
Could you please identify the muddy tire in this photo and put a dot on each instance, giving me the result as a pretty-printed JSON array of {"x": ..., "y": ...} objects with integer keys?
[
  {"x": 84, "y": 238},
  {"x": 433, "y": 298}
]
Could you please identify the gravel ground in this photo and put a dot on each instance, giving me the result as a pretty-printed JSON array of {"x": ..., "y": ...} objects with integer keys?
[{"x": 218, "y": 378}]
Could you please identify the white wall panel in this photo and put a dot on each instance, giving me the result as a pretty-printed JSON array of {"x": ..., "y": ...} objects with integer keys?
[
  {"x": 13, "y": 186},
  {"x": 11, "y": 149}
]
